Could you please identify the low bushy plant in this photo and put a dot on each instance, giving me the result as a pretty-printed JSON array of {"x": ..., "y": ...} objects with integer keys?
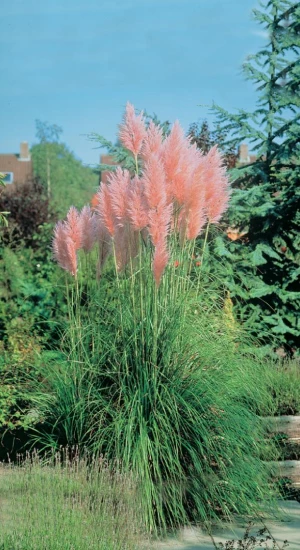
[
  {"x": 252, "y": 540},
  {"x": 31, "y": 291},
  {"x": 32, "y": 315}
]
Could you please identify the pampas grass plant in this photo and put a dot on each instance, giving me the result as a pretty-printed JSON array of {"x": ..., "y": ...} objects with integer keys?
[{"x": 154, "y": 376}]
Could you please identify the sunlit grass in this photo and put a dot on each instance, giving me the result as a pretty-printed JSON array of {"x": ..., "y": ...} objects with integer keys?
[
  {"x": 285, "y": 387},
  {"x": 76, "y": 504}
]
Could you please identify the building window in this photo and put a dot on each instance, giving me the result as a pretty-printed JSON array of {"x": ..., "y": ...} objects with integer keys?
[{"x": 8, "y": 177}]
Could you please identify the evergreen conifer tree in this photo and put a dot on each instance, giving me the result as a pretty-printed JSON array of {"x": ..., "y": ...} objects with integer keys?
[{"x": 262, "y": 262}]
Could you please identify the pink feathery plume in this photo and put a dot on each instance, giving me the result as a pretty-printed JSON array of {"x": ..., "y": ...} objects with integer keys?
[
  {"x": 154, "y": 183},
  {"x": 105, "y": 210},
  {"x": 196, "y": 218},
  {"x": 159, "y": 210},
  {"x": 72, "y": 257},
  {"x": 174, "y": 152},
  {"x": 160, "y": 261},
  {"x": 217, "y": 187},
  {"x": 119, "y": 187},
  {"x": 74, "y": 227},
  {"x": 132, "y": 132},
  {"x": 186, "y": 166},
  {"x": 159, "y": 222},
  {"x": 137, "y": 208},
  {"x": 193, "y": 215},
  {"x": 88, "y": 228},
  {"x": 64, "y": 248},
  {"x": 152, "y": 142}
]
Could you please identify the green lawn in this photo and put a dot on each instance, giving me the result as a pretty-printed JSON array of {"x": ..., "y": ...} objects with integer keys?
[{"x": 55, "y": 506}]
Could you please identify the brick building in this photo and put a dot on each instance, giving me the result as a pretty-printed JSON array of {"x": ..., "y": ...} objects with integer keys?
[
  {"x": 17, "y": 167},
  {"x": 243, "y": 155}
]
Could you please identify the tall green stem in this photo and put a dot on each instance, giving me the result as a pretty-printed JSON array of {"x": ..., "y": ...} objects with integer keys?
[
  {"x": 142, "y": 314},
  {"x": 120, "y": 304},
  {"x": 154, "y": 348},
  {"x": 202, "y": 255}
]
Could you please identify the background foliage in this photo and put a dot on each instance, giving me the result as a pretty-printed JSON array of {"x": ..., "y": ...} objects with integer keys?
[
  {"x": 262, "y": 263},
  {"x": 69, "y": 390},
  {"x": 65, "y": 179}
]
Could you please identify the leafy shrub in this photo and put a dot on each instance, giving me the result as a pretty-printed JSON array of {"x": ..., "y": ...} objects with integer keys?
[
  {"x": 28, "y": 209},
  {"x": 20, "y": 359},
  {"x": 31, "y": 290},
  {"x": 32, "y": 311}
]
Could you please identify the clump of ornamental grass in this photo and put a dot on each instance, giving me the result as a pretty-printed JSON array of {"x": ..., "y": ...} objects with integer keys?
[
  {"x": 154, "y": 374},
  {"x": 54, "y": 503}
]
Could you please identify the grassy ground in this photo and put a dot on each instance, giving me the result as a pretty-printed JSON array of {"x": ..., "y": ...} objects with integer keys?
[{"x": 71, "y": 506}]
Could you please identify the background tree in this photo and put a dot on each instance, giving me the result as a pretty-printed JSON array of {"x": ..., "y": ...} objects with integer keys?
[
  {"x": 262, "y": 263},
  {"x": 64, "y": 176},
  {"x": 201, "y": 135},
  {"x": 48, "y": 135},
  {"x": 3, "y": 215},
  {"x": 205, "y": 138}
]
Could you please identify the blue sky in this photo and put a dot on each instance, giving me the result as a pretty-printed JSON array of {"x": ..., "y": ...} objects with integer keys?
[{"x": 76, "y": 63}]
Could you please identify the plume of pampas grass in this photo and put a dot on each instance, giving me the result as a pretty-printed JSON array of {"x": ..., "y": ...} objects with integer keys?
[
  {"x": 88, "y": 229},
  {"x": 193, "y": 215},
  {"x": 132, "y": 132},
  {"x": 119, "y": 190},
  {"x": 137, "y": 209},
  {"x": 105, "y": 209},
  {"x": 154, "y": 182},
  {"x": 159, "y": 210},
  {"x": 74, "y": 227},
  {"x": 153, "y": 141},
  {"x": 159, "y": 223},
  {"x": 217, "y": 191},
  {"x": 64, "y": 249},
  {"x": 172, "y": 155},
  {"x": 160, "y": 261}
]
